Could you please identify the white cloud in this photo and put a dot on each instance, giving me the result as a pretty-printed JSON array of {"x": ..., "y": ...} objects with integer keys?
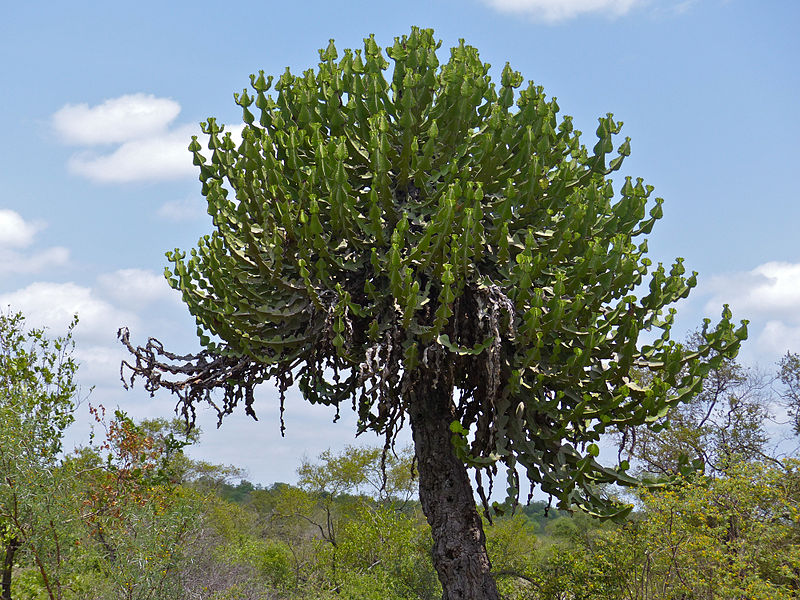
[
  {"x": 771, "y": 290},
  {"x": 17, "y": 262},
  {"x": 53, "y": 305},
  {"x": 129, "y": 117},
  {"x": 551, "y": 11},
  {"x": 768, "y": 296},
  {"x": 99, "y": 368},
  {"x": 161, "y": 156},
  {"x": 16, "y": 232},
  {"x": 135, "y": 298},
  {"x": 148, "y": 147},
  {"x": 778, "y": 338},
  {"x": 136, "y": 288},
  {"x": 16, "y": 235}
]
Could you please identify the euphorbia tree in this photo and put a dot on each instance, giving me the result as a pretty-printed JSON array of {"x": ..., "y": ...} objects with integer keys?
[{"x": 436, "y": 248}]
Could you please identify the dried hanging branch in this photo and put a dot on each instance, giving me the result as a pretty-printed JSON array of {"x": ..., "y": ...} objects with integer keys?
[{"x": 195, "y": 376}]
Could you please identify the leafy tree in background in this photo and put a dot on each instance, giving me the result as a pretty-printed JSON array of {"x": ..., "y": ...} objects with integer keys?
[
  {"x": 37, "y": 402},
  {"x": 722, "y": 426},
  {"x": 136, "y": 519},
  {"x": 790, "y": 377},
  {"x": 735, "y": 536},
  {"x": 440, "y": 249},
  {"x": 360, "y": 470},
  {"x": 338, "y": 485}
]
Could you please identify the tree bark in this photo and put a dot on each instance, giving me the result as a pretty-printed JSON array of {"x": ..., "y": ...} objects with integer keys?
[
  {"x": 8, "y": 564},
  {"x": 445, "y": 492}
]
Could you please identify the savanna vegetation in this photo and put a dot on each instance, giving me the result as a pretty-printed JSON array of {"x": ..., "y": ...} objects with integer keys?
[{"x": 129, "y": 515}]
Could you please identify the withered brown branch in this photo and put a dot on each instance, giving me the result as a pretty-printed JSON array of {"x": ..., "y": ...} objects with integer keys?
[{"x": 192, "y": 377}]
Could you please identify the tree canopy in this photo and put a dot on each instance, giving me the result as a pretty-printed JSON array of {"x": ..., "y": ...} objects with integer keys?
[{"x": 363, "y": 221}]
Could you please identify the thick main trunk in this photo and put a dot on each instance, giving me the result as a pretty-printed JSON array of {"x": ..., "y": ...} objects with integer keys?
[
  {"x": 459, "y": 544},
  {"x": 12, "y": 545}
]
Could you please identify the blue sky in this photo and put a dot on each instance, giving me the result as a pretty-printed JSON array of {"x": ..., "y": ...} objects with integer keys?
[{"x": 99, "y": 101}]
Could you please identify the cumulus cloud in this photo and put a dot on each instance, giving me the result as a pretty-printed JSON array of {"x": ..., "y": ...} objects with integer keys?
[
  {"x": 52, "y": 305},
  {"x": 159, "y": 156},
  {"x": 16, "y": 235},
  {"x": 129, "y": 117},
  {"x": 552, "y": 11},
  {"x": 18, "y": 262},
  {"x": 769, "y": 296},
  {"x": 136, "y": 288},
  {"x": 16, "y": 232},
  {"x": 134, "y": 298},
  {"x": 148, "y": 145},
  {"x": 777, "y": 338},
  {"x": 771, "y": 289}
]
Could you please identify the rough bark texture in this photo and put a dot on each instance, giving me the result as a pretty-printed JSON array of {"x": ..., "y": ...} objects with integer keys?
[
  {"x": 8, "y": 564},
  {"x": 459, "y": 550}
]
